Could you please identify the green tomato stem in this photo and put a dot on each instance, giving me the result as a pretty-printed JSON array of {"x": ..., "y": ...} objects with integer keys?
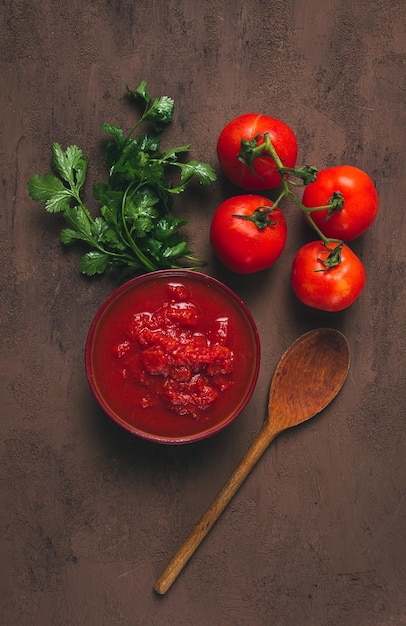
[{"x": 307, "y": 174}]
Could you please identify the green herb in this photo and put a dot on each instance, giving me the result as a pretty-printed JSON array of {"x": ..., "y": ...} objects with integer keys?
[{"x": 136, "y": 229}]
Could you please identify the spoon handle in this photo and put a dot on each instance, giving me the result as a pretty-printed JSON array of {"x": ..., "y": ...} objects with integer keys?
[{"x": 214, "y": 511}]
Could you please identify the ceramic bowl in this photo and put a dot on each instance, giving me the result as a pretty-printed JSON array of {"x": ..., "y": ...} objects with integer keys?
[{"x": 173, "y": 356}]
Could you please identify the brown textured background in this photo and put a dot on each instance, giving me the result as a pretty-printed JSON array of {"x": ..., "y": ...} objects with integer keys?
[{"x": 90, "y": 515}]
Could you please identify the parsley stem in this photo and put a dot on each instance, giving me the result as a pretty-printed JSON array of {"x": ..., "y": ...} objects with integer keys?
[
  {"x": 91, "y": 240},
  {"x": 133, "y": 129},
  {"x": 137, "y": 251}
]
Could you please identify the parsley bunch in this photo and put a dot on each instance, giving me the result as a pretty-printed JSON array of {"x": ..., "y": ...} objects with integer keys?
[{"x": 136, "y": 229}]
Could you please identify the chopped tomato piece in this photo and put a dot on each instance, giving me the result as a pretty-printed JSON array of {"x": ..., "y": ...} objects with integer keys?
[{"x": 164, "y": 343}]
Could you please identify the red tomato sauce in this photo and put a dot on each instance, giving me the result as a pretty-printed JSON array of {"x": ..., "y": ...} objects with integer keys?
[{"x": 173, "y": 356}]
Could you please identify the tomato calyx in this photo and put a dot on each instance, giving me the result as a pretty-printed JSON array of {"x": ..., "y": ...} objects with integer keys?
[
  {"x": 335, "y": 205},
  {"x": 333, "y": 258},
  {"x": 261, "y": 217},
  {"x": 251, "y": 150}
]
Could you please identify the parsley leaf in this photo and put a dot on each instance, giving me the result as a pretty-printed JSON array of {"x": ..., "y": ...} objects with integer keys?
[
  {"x": 135, "y": 229},
  {"x": 70, "y": 165},
  {"x": 159, "y": 113},
  {"x": 94, "y": 262},
  {"x": 51, "y": 191}
]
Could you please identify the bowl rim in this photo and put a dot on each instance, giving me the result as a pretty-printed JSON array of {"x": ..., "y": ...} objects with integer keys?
[{"x": 130, "y": 284}]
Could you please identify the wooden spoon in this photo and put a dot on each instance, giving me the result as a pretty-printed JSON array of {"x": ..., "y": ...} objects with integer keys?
[{"x": 307, "y": 378}]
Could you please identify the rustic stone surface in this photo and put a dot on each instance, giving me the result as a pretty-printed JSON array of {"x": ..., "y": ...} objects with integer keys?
[{"x": 90, "y": 515}]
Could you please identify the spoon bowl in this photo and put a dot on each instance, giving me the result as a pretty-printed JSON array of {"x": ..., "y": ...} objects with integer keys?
[{"x": 307, "y": 378}]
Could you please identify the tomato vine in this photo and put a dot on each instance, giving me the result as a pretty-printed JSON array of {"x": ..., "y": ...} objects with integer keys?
[{"x": 252, "y": 149}]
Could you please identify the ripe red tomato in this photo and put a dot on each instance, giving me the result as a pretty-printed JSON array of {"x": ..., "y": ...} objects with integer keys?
[
  {"x": 360, "y": 201},
  {"x": 251, "y": 127},
  {"x": 330, "y": 289},
  {"x": 251, "y": 242}
]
